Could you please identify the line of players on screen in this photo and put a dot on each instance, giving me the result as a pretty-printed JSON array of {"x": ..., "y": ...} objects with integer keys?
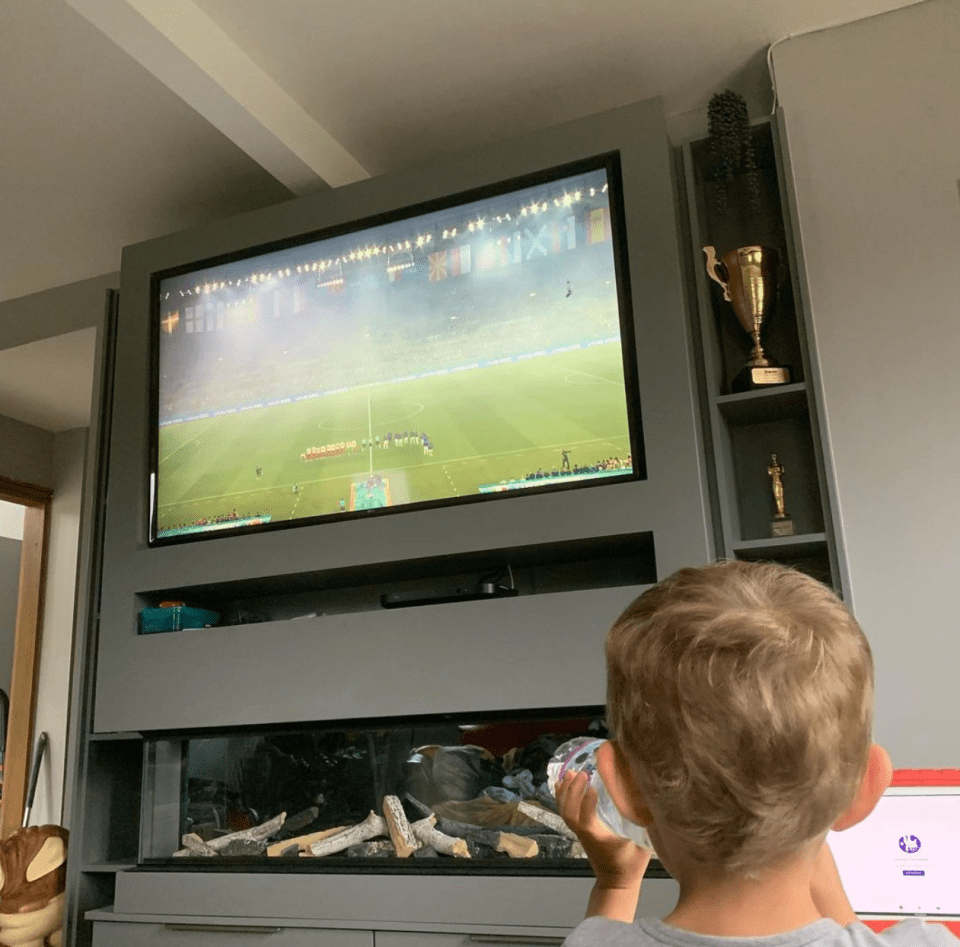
[
  {"x": 565, "y": 470},
  {"x": 398, "y": 439},
  {"x": 231, "y": 517},
  {"x": 390, "y": 438}
]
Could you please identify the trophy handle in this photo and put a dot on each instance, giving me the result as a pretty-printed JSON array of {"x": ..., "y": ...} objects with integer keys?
[{"x": 715, "y": 266}]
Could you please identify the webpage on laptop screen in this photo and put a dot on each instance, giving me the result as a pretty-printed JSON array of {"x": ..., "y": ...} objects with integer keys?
[{"x": 904, "y": 858}]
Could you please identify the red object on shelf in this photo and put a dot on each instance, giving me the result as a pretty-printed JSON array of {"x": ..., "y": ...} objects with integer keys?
[{"x": 922, "y": 777}]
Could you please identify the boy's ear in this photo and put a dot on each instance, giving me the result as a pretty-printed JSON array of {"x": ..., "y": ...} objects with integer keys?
[
  {"x": 614, "y": 769},
  {"x": 876, "y": 778}
]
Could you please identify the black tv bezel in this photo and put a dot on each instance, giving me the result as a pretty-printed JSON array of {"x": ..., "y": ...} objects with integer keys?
[{"x": 609, "y": 161}]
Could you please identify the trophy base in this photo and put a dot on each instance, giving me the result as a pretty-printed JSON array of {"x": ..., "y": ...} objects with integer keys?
[
  {"x": 750, "y": 379},
  {"x": 781, "y": 527}
]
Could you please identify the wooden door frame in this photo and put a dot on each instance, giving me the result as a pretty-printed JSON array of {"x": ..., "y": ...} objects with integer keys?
[{"x": 26, "y": 646}]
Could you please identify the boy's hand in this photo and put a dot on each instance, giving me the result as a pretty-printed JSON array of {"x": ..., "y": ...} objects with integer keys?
[
  {"x": 617, "y": 863},
  {"x": 826, "y": 889}
]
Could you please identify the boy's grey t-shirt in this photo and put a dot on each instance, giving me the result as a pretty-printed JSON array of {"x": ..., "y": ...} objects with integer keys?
[{"x": 648, "y": 932}]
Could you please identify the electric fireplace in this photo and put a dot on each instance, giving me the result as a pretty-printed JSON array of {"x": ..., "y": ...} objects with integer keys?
[{"x": 446, "y": 793}]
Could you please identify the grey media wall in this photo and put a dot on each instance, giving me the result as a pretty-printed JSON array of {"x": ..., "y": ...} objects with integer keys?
[
  {"x": 158, "y": 681},
  {"x": 9, "y": 584},
  {"x": 542, "y": 649},
  {"x": 871, "y": 111}
]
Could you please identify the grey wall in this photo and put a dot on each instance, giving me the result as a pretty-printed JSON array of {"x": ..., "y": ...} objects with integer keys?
[
  {"x": 65, "y": 469},
  {"x": 26, "y": 452},
  {"x": 872, "y": 116},
  {"x": 53, "y": 685},
  {"x": 9, "y": 584},
  {"x": 56, "y": 461}
]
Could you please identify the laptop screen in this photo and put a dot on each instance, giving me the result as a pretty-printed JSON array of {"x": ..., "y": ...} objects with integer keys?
[{"x": 904, "y": 858}]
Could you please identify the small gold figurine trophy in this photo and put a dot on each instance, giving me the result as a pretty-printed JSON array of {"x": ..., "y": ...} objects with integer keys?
[
  {"x": 781, "y": 524},
  {"x": 748, "y": 276}
]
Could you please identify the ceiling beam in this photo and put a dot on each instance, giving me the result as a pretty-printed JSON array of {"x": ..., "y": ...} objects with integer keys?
[{"x": 180, "y": 45}]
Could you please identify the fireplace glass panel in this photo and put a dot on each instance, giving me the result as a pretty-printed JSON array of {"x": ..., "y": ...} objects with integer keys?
[{"x": 263, "y": 799}]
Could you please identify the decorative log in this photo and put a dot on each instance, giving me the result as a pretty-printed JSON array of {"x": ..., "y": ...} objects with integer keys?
[
  {"x": 259, "y": 833},
  {"x": 209, "y": 830},
  {"x": 576, "y": 850},
  {"x": 425, "y": 811},
  {"x": 378, "y": 848},
  {"x": 288, "y": 849},
  {"x": 546, "y": 818},
  {"x": 553, "y": 846},
  {"x": 445, "y": 844},
  {"x": 244, "y": 846},
  {"x": 301, "y": 820},
  {"x": 488, "y": 836},
  {"x": 404, "y": 841},
  {"x": 485, "y": 812},
  {"x": 371, "y": 827},
  {"x": 480, "y": 851},
  {"x": 471, "y": 833},
  {"x": 197, "y": 846},
  {"x": 425, "y": 823},
  {"x": 303, "y": 842},
  {"x": 545, "y": 799},
  {"x": 518, "y": 846}
]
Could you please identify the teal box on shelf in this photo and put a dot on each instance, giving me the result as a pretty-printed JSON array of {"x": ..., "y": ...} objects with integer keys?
[{"x": 153, "y": 620}]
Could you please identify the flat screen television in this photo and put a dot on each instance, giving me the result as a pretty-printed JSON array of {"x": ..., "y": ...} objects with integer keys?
[{"x": 470, "y": 349}]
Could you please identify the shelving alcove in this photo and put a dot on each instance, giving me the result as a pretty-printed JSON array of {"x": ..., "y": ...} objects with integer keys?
[{"x": 742, "y": 430}]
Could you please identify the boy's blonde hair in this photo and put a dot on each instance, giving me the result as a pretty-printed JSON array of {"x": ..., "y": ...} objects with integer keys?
[{"x": 742, "y": 694}]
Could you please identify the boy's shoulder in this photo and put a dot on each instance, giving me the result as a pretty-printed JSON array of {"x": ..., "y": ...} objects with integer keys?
[{"x": 647, "y": 932}]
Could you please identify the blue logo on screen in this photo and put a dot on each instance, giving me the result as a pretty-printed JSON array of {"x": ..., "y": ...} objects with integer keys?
[{"x": 909, "y": 844}]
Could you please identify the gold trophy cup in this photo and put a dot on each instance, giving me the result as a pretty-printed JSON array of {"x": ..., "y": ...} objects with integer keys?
[{"x": 748, "y": 276}]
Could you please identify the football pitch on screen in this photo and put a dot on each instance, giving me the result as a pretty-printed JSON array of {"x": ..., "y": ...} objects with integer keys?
[{"x": 485, "y": 425}]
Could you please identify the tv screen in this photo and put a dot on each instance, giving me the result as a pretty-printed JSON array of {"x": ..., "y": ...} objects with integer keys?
[{"x": 474, "y": 348}]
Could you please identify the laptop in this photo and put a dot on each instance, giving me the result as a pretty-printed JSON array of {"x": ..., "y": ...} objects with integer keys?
[{"x": 903, "y": 860}]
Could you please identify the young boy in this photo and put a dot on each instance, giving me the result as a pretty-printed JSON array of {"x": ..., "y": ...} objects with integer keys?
[{"x": 740, "y": 700}]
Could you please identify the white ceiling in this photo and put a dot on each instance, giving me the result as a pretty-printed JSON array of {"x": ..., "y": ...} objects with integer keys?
[{"x": 127, "y": 119}]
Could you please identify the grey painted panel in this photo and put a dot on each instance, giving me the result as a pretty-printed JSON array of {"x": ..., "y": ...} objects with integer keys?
[
  {"x": 125, "y": 934},
  {"x": 509, "y": 653},
  {"x": 418, "y": 939},
  {"x": 380, "y": 900},
  {"x": 249, "y": 672},
  {"x": 828, "y": 486}
]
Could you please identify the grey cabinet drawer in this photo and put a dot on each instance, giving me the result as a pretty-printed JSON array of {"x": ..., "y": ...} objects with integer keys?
[
  {"x": 130, "y": 934},
  {"x": 398, "y": 939}
]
